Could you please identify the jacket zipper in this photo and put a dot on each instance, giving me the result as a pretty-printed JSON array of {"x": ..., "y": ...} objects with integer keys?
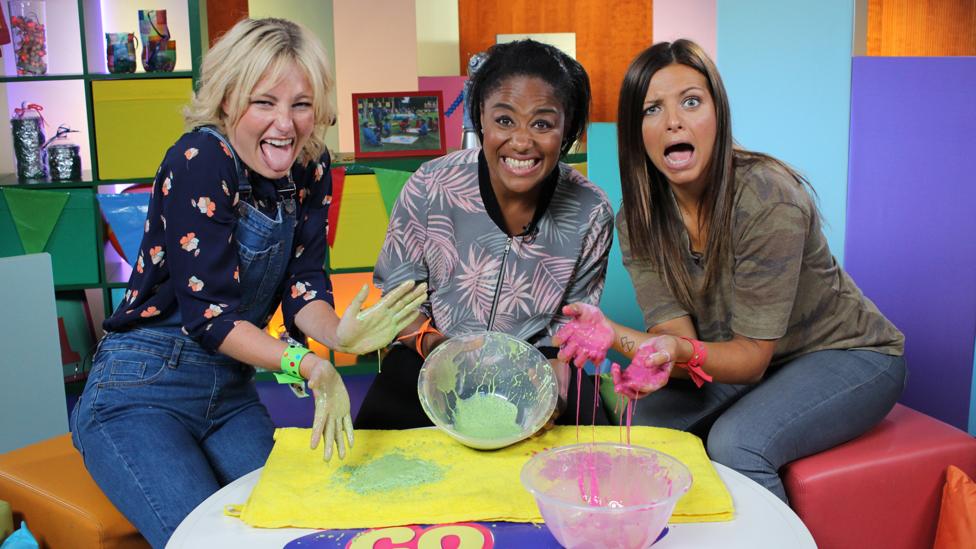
[{"x": 498, "y": 284}]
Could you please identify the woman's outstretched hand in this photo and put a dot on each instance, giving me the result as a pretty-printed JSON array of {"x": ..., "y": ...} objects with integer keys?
[
  {"x": 331, "y": 409},
  {"x": 649, "y": 370},
  {"x": 362, "y": 331},
  {"x": 587, "y": 336}
]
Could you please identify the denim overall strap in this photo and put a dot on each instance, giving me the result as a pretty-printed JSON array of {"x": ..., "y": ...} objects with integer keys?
[
  {"x": 243, "y": 184},
  {"x": 264, "y": 247}
]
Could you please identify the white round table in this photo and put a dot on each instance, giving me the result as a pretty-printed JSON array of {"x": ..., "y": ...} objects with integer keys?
[{"x": 761, "y": 520}]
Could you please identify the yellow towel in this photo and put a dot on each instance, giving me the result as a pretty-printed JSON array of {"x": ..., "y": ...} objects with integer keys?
[{"x": 298, "y": 489}]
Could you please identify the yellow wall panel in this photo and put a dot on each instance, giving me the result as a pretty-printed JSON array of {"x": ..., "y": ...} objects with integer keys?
[
  {"x": 136, "y": 121},
  {"x": 437, "y": 38},
  {"x": 362, "y": 224},
  {"x": 581, "y": 168}
]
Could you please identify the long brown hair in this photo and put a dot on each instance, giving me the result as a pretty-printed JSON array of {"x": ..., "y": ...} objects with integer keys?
[{"x": 654, "y": 224}]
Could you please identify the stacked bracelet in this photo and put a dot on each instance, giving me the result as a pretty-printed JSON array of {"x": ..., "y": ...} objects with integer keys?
[{"x": 694, "y": 364}]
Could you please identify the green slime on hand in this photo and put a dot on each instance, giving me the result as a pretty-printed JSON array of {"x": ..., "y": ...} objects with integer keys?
[
  {"x": 486, "y": 417},
  {"x": 389, "y": 472}
]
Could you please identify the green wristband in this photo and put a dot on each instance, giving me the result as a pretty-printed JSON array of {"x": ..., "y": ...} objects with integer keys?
[{"x": 290, "y": 360}]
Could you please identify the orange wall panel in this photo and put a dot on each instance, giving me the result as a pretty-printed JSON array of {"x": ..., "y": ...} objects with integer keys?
[
  {"x": 921, "y": 28},
  {"x": 223, "y": 15},
  {"x": 608, "y": 36}
]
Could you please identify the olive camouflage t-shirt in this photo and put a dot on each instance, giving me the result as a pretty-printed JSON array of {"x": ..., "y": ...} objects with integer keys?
[{"x": 781, "y": 281}]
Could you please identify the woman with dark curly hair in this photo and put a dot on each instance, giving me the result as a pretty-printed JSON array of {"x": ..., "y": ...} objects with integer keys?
[{"x": 504, "y": 235}]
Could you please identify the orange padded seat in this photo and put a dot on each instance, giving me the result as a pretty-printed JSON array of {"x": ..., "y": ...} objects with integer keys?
[{"x": 48, "y": 486}]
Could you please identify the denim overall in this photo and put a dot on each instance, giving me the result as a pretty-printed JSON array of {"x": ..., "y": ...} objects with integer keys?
[{"x": 163, "y": 423}]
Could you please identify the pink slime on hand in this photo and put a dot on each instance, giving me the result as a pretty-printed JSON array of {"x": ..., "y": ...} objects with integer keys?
[
  {"x": 643, "y": 375},
  {"x": 587, "y": 336}
]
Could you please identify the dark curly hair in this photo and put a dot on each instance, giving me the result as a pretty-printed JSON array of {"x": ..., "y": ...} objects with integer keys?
[{"x": 530, "y": 58}]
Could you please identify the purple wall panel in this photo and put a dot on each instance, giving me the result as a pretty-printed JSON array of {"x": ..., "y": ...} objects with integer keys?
[
  {"x": 911, "y": 219},
  {"x": 286, "y": 410}
]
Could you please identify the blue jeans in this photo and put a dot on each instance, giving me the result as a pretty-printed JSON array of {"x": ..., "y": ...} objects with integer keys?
[
  {"x": 163, "y": 424},
  {"x": 808, "y": 405}
]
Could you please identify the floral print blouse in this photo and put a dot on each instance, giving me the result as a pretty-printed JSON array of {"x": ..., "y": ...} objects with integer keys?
[{"x": 188, "y": 259}]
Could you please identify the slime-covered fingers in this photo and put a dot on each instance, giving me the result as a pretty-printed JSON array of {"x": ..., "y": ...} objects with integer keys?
[
  {"x": 648, "y": 372},
  {"x": 587, "y": 337},
  {"x": 330, "y": 440},
  {"x": 331, "y": 409}
]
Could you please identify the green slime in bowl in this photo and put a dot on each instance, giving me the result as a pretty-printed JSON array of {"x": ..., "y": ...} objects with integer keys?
[{"x": 486, "y": 417}]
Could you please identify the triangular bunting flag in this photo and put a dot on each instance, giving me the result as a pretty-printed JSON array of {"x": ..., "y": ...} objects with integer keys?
[
  {"x": 126, "y": 215},
  {"x": 338, "y": 181},
  {"x": 391, "y": 183},
  {"x": 35, "y": 213}
]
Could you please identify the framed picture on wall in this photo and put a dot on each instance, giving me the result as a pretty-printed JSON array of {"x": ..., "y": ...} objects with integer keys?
[{"x": 399, "y": 124}]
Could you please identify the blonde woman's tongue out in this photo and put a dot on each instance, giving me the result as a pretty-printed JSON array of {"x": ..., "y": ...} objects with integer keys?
[{"x": 278, "y": 154}]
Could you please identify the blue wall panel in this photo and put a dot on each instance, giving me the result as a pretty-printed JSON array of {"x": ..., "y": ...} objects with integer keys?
[
  {"x": 787, "y": 68},
  {"x": 619, "y": 301}
]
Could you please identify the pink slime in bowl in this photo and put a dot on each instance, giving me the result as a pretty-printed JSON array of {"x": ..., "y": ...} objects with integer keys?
[{"x": 605, "y": 495}]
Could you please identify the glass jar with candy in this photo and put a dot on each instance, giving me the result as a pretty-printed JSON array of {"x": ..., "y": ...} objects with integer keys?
[{"x": 28, "y": 31}]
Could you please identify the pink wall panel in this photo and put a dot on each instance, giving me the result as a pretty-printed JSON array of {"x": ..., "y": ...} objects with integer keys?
[
  {"x": 451, "y": 87},
  {"x": 376, "y": 51},
  {"x": 693, "y": 19}
]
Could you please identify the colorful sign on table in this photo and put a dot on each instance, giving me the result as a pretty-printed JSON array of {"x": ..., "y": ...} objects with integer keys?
[{"x": 467, "y": 535}]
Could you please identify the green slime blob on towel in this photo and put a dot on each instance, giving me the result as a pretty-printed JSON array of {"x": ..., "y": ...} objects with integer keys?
[
  {"x": 388, "y": 473},
  {"x": 486, "y": 417}
]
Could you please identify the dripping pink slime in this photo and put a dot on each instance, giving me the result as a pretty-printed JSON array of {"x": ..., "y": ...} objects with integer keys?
[{"x": 588, "y": 336}]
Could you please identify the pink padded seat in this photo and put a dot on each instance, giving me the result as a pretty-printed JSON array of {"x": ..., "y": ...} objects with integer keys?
[{"x": 882, "y": 489}]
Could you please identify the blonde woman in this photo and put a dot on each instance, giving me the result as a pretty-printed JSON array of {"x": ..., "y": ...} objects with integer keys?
[{"x": 236, "y": 225}]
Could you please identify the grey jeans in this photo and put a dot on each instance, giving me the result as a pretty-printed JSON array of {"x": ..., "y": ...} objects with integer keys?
[{"x": 808, "y": 405}]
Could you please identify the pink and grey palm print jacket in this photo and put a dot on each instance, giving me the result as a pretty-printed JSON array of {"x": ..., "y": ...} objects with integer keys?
[{"x": 478, "y": 276}]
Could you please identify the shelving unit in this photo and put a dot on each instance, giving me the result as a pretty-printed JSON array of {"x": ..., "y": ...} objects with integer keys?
[
  {"x": 71, "y": 93},
  {"x": 76, "y": 63}
]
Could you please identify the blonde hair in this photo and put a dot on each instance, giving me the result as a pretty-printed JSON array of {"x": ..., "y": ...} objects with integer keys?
[{"x": 250, "y": 51}]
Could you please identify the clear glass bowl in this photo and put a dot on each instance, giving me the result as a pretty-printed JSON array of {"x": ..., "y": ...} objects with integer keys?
[
  {"x": 605, "y": 495},
  {"x": 487, "y": 389}
]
